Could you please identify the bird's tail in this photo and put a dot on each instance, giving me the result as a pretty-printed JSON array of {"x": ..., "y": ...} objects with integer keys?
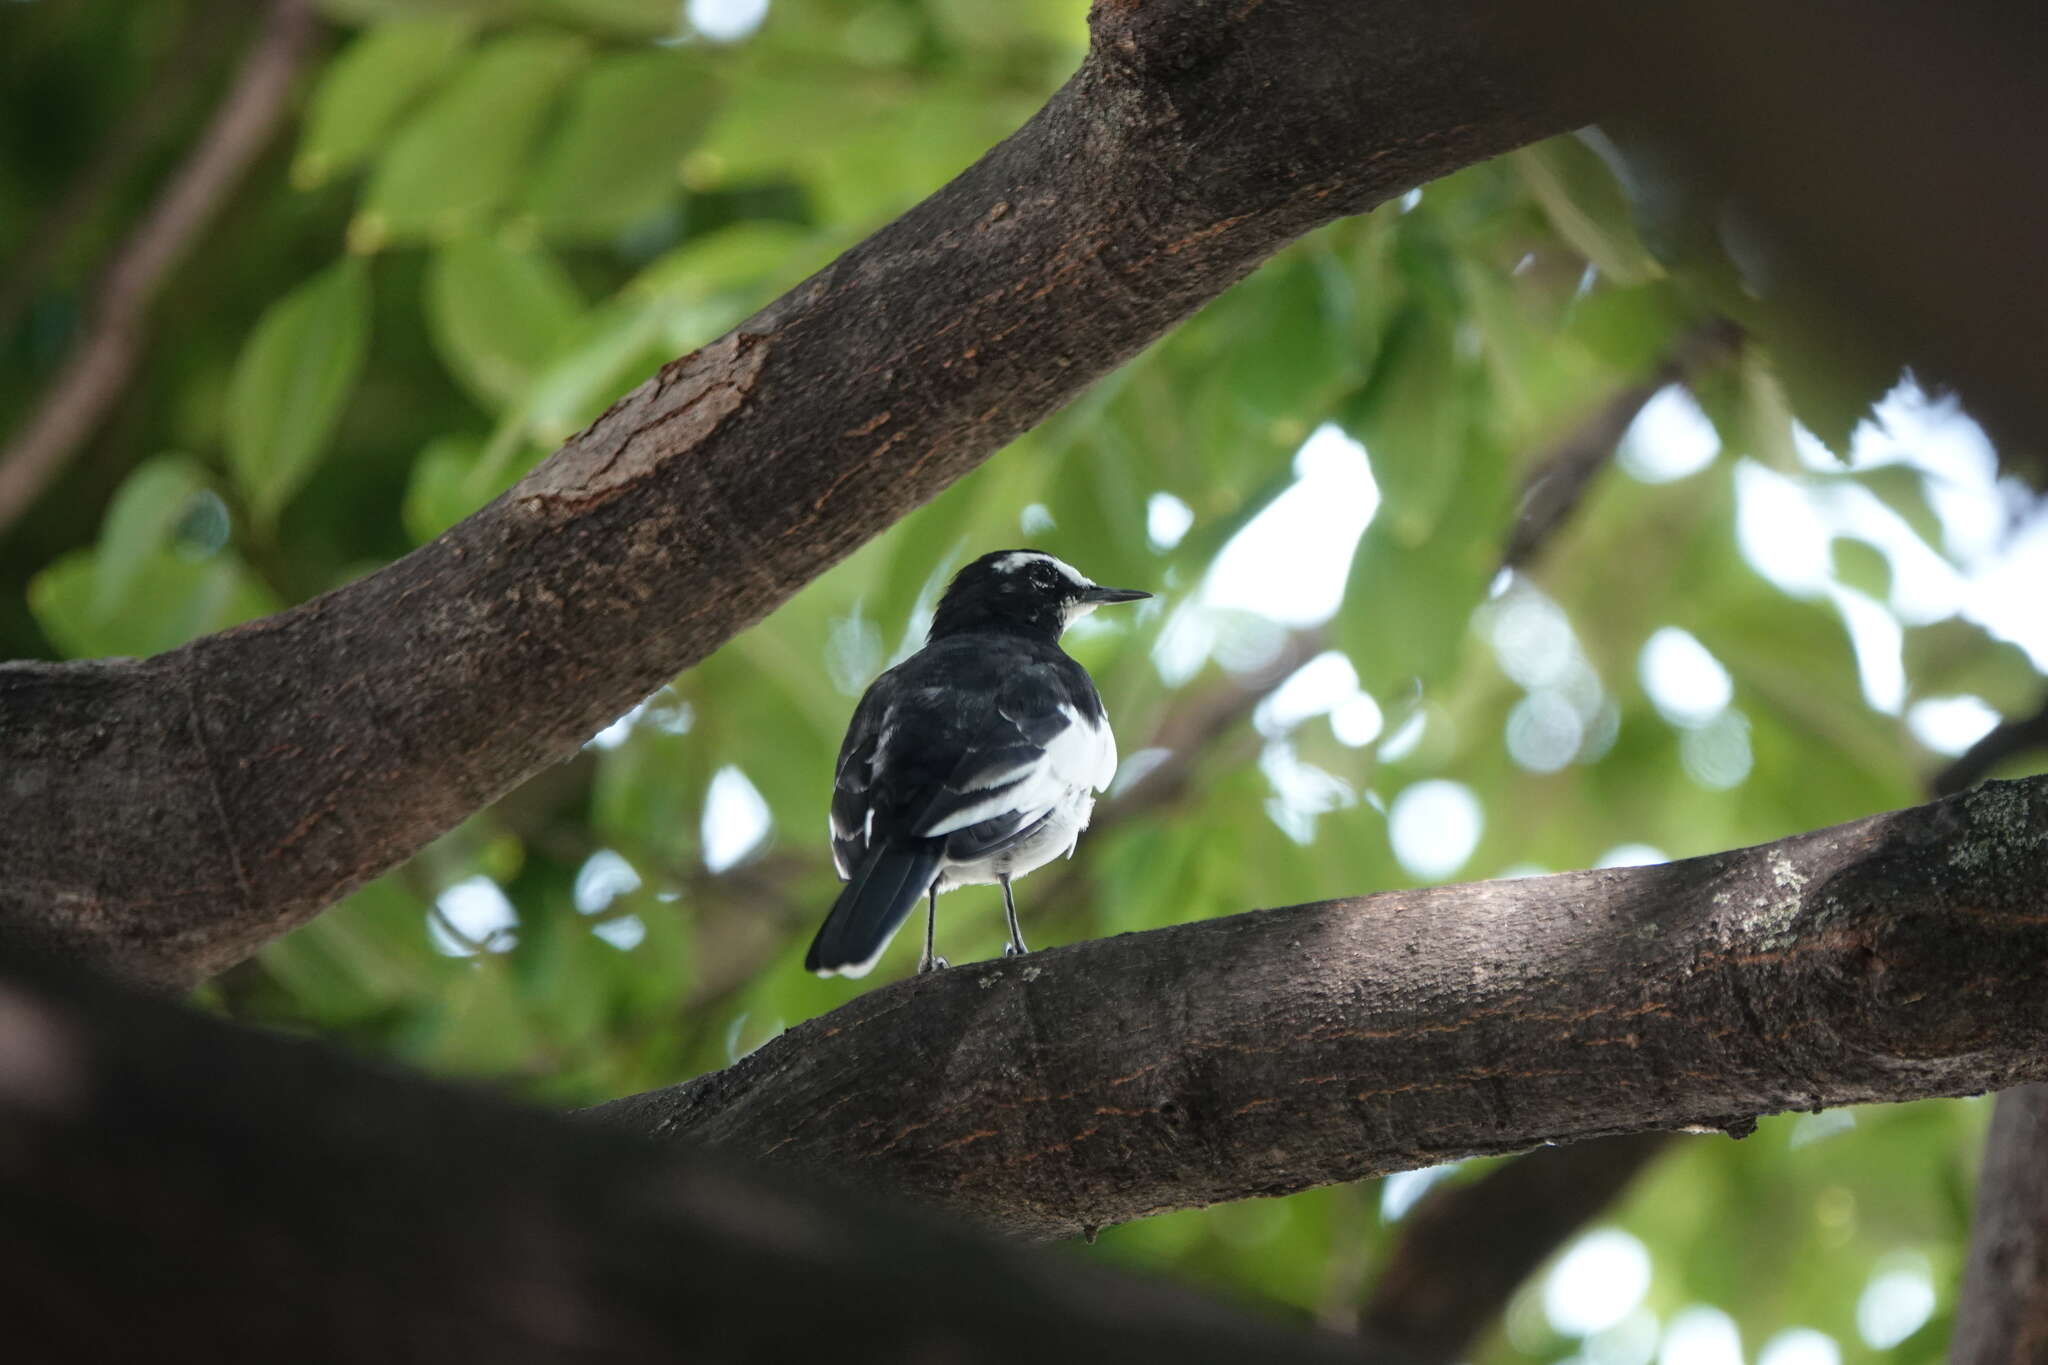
[{"x": 872, "y": 907}]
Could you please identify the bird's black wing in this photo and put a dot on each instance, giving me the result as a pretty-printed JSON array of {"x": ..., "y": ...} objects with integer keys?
[
  {"x": 964, "y": 749},
  {"x": 853, "y": 783},
  {"x": 976, "y": 740}
]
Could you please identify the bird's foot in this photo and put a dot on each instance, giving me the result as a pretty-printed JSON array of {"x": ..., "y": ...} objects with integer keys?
[
  {"x": 932, "y": 964},
  {"x": 1014, "y": 950}
]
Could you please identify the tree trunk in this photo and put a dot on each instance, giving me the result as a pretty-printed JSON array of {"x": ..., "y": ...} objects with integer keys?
[{"x": 2003, "y": 1316}]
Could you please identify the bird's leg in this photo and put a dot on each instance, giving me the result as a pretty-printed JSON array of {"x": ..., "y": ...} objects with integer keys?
[
  {"x": 930, "y": 962},
  {"x": 1015, "y": 947}
]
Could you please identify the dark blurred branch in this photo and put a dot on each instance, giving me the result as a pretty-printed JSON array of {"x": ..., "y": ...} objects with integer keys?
[
  {"x": 1466, "y": 1248},
  {"x": 2002, "y": 1318},
  {"x": 1260, "y": 1053},
  {"x": 2008, "y": 740},
  {"x": 1872, "y": 153},
  {"x": 172, "y": 1179},
  {"x": 1560, "y": 476},
  {"x": 94, "y": 377}
]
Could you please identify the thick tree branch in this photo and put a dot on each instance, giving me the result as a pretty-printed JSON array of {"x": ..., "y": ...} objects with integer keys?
[
  {"x": 93, "y": 378},
  {"x": 178, "y": 1189},
  {"x": 1902, "y": 956},
  {"x": 2003, "y": 1316},
  {"x": 168, "y": 816},
  {"x": 1466, "y": 1249}
]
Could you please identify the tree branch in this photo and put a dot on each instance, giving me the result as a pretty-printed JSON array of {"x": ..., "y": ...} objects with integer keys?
[
  {"x": 158, "y": 107},
  {"x": 172, "y": 1179},
  {"x": 97, "y": 372},
  {"x": 229, "y": 790},
  {"x": 1465, "y": 1249},
  {"x": 1897, "y": 957},
  {"x": 1559, "y": 478},
  {"x": 2002, "y": 1318},
  {"x": 2007, "y": 740}
]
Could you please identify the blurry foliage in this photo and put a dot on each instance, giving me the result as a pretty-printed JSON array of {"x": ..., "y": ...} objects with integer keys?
[{"x": 494, "y": 217}]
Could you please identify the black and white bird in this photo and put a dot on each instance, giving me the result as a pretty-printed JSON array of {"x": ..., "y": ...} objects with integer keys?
[{"x": 975, "y": 760}]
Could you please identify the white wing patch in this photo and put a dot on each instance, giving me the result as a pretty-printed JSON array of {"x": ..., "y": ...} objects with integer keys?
[
  {"x": 840, "y": 834},
  {"x": 1105, "y": 755},
  {"x": 1080, "y": 757}
]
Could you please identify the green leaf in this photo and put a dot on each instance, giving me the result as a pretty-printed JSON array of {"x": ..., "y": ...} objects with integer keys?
[
  {"x": 169, "y": 600},
  {"x": 609, "y": 349},
  {"x": 445, "y": 486},
  {"x": 607, "y": 352},
  {"x": 294, "y": 375},
  {"x": 1956, "y": 655},
  {"x": 369, "y": 85},
  {"x": 141, "y": 521},
  {"x": 1414, "y": 417},
  {"x": 362, "y": 957},
  {"x": 1407, "y": 609},
  {"x": 617, "y": 156},
  {"x": 1628, "y": 328},
  {"x": 1833, "y": 374},
  {"x": 626, "y": 18},
  {"x": 1758, "y": 421},
  {"x": 463, "y": 156},
  {"x": 1296, "y": 338},
  {"x": 497, "y": 315},
  {"x": 1409, "y": 601},
  {"x": 1860, "y": 565},
  {"x": 479, "y": 1025},
  {"x": 1903, "y": 488},
  {"x": 1587, "y": 207}
]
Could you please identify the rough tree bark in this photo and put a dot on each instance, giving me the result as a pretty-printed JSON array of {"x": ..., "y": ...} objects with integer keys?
[
  {"x": 1902, "y": 956},
  {"x": 2003, "y": 1315},
  {"x": 231, "y": 789}
]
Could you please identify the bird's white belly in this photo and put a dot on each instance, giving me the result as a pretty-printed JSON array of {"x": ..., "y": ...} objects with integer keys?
[{"x": 1054, "y": 838}]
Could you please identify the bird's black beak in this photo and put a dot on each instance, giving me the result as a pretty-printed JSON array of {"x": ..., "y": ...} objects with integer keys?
[{"x": 1102, "y": 597}]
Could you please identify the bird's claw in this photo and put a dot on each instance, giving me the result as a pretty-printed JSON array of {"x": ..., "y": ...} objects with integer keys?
[
  {"x": 1014, "y": 950},
  {"x": 932, "y": 964}
]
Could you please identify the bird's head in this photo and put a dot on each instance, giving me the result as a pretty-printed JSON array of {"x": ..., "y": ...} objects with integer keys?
[{"x": 1022, "y": 590}]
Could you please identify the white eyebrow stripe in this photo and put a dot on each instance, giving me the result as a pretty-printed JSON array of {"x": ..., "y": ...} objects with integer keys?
[{"x": 1017, "y": 559}]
